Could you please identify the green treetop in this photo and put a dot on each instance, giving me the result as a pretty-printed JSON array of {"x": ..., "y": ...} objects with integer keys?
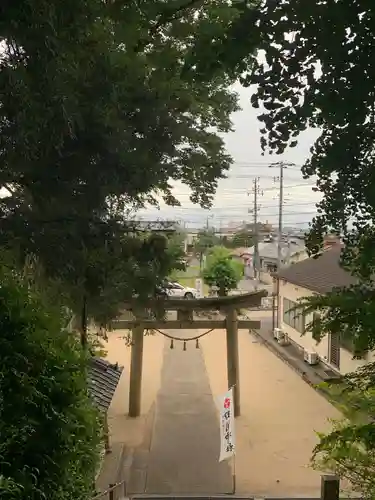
[{"x": 222, "y": 271}]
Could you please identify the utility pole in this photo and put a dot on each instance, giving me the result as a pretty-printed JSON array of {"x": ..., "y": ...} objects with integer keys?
[
  {"x": 281, "y": 165},
  {"x": 281, "y": 201},
  {"x": 256, "y": 192}
]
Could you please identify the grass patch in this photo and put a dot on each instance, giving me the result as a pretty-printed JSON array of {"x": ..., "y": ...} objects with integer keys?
[{"x": 187, "y": 278}]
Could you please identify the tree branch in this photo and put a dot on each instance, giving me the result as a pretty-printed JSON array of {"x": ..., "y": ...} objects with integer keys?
[
  {"x": 167, "y": 17},
  {"x": 175, "y": 14}
]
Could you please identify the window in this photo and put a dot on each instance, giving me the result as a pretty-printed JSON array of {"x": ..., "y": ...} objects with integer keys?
[
  {"x": 334, "y": 349},
  {"x": 293, "y": 317},
  {"x": 315, "y": 332}
]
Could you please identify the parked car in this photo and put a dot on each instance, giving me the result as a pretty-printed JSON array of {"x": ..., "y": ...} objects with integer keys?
[{"x": 176, "y": 290}]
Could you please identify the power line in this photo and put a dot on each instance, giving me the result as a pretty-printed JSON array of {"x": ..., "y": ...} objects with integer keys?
[
  {"x": 254, "y": 164},
  {"x": 240, "y": 212}
]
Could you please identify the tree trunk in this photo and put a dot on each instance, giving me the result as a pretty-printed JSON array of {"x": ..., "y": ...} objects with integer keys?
[
  {"x": 83, "y": 329},
  {"x": 223, "y": 292}
]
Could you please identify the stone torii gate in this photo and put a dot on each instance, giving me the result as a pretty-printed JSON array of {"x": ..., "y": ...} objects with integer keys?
[{"x": 185, "y": 308}]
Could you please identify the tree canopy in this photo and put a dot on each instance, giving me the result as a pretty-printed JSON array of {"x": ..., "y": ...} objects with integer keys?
[
  {"x": 317, "y": 70},
  {"x": 242, "y": 238},
  {"x": 107, "y": 110},
  {"x": 222, "y": 271},
  {"x": 103, "y": 107},
  {"x": 315, "y": 60}
]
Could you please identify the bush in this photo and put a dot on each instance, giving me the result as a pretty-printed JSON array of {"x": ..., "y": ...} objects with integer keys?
[
  {"x": 50, "y": 432},
  {"x": 222, "y": 271}
]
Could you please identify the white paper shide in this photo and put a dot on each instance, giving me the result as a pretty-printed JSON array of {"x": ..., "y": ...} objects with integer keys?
[{"x": 227, "y": 437}]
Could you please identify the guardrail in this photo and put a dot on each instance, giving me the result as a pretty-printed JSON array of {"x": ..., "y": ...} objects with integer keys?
[{"x": 115, "y": 491}]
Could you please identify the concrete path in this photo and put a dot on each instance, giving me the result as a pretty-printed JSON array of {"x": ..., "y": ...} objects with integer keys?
[{"x": 184, "y": 449}]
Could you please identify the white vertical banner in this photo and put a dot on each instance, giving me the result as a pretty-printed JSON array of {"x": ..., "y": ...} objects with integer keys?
[
  {"x": 227, "y": 433},
  {"x": 199, "y": 287}
]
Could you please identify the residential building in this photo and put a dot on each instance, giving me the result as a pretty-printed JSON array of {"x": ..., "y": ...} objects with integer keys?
[
  {"x": 304, "y": 279},
  {"x": 292, "y": 250}
]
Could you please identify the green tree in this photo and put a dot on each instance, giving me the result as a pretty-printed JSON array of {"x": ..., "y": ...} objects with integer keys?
[
  {"x": 102, "y": 106},
  {"x": 316, "y": 57},
  {"x": 349, "y": 449},
  {"x": 242, "y": 239},
  {"x": 50, "y": 432},
  {"x": 150, "y": 123},
  {"x": 96, "y": 280},
  {"x": 205, "y": 240},
  {"x": 222, "y": 271}
]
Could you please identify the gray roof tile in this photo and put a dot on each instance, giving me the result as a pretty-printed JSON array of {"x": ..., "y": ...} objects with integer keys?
[
  {"x": 320, "y": 274},
  {"x": 103, "y": 378}
]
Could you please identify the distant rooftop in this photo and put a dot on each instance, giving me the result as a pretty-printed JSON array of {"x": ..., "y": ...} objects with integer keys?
[
  {"x": 269, "y": 250},
  {"x": 321, "y": 274},
  {"x": 103, "y": 379}
]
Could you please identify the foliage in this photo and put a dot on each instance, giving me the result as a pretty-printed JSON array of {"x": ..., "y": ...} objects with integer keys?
[
  {"x": 62, "y": 60},
  {"x": 348, "y": 450},
  {"x": 176, "y": 250},
  {"x": 222, "y": 271},
  {"x": 242, "y": 239},
  {"x": 103, "y": 107},
  {"x": 311, "y": 79},
  {"x": 316, "y": 57},
  {"x": 205, "y": 240},
  {"x": 50, "y": 432}
]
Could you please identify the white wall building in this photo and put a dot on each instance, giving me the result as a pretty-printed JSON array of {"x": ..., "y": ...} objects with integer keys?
[
  {"x": 292, "y": 251},
  {"x": 304, "y": 279}
]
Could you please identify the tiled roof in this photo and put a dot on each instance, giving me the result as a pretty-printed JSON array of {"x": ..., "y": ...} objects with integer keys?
[
  {"x": 103, "y": 380},
  {"x": 319, "y": 275}
]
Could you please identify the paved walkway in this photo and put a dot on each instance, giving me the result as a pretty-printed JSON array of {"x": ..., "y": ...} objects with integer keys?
[{"x": 184, "y": 449}]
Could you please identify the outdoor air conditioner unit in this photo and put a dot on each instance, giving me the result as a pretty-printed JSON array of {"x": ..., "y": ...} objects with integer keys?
[
  {"x": 311, "y": 357},
  {"x": 278, "y": 334},
  {"x": 284, "y": 340},
  {"x": 281, "y": 337}
]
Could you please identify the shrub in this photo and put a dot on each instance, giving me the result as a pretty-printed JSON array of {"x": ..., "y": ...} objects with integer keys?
[
  {"x": 50, "y": 432},
  {"x": 222, "y": 271}
]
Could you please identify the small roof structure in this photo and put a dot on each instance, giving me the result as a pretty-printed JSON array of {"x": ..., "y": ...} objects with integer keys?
[
  {"x": 268, "y": 250},
  {"x": 103, "y": 378},
  {"x": 321, "y": 274}
]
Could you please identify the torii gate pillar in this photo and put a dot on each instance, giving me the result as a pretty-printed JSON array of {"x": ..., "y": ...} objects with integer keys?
[{"x": 233, "y": 368}]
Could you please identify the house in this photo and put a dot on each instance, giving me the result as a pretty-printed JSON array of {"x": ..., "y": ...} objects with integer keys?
[
  {"x": 241, "y": 254},
  {"x": 292, "y": 250},
  {"x": 304, "y": 279}
]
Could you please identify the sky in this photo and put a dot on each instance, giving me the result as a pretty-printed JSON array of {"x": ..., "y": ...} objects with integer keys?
[{"x": 234, "y": 200}]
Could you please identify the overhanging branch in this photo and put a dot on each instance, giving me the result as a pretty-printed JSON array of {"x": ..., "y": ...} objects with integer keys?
[{"x": 168, "y": 16}]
